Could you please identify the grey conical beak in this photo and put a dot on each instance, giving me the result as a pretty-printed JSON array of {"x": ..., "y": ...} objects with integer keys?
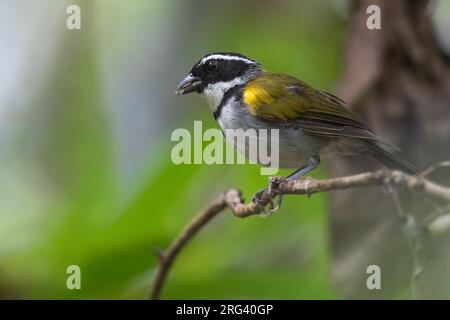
[{"x": 189, "y": 84}]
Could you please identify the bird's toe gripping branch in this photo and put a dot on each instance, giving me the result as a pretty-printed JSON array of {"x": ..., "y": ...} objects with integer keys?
[{"x": 269, "y": 194}]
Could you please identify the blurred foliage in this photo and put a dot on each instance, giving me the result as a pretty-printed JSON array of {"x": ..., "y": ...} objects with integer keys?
[{"x": 81, "y": 214}]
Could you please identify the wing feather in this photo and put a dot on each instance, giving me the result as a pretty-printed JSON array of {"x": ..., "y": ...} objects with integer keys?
[{"x": 278, "y": 98}]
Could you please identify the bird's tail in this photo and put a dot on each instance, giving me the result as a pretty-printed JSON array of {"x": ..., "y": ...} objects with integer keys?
[{"x": 382, "y": 153}]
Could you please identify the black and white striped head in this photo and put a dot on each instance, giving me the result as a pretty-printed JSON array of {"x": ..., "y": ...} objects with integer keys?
[{"x": 217, "y": 73}]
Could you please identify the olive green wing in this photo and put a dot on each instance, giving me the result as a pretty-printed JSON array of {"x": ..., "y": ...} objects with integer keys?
[{"x": 278, "y": 98}]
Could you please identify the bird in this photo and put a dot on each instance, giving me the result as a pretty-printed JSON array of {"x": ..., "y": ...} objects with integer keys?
[{"x": 310, "y": 122}]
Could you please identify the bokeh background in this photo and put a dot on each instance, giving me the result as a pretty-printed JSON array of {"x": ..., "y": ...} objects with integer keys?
[{"x": 85, "y": 170}]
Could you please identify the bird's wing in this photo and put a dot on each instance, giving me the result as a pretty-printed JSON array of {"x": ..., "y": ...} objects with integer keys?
[{"x": 278, "y": 98}]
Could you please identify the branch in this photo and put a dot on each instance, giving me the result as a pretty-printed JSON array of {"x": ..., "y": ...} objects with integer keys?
[
  {"x": 304, "y": 186},
  {"x": 167, "y": 258}
]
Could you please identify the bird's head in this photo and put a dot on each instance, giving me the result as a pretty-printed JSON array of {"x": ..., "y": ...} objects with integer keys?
[{"x": 216, "y": 73}]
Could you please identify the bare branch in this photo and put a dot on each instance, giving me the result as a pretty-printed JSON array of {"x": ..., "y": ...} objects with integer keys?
[
  {"x": 167, "y": 258},
  {"x": 303, "y": 186},
  {"x": 433, "y": 168}
]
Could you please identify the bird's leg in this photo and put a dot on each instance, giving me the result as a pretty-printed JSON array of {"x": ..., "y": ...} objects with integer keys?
[
  {"x": 272, "y": 193},
  {"x": 272, "y": 190},
  {"x": 313, "y": 162},
  {"x": 257, "y": 199}
]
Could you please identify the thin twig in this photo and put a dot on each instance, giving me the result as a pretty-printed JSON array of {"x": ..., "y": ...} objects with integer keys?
[
  {"x": 433, "y": 168},
  {"x": 303, "y": 186},
  {"x": 167, "y": 258}
]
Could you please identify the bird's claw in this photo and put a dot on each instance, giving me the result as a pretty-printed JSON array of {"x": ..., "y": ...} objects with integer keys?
[
  {"x": 272, "y": 192},
  {"x": 256, "y": 199}
]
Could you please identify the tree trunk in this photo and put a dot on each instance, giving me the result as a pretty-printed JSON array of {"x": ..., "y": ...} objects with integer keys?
[{"x": 398, "y": 79}]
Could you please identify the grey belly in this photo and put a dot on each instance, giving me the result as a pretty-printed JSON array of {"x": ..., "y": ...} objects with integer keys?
[{"x": 294, "y": 146}]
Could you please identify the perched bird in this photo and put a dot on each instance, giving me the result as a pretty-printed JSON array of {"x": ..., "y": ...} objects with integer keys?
[{"x": 310, "y": 121}]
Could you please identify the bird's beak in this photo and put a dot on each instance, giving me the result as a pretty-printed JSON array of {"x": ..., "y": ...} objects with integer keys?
[{"x": 189, "y": 84}]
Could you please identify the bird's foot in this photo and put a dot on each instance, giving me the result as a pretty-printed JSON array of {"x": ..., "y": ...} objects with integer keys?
[{"x": 271, "y": 193}]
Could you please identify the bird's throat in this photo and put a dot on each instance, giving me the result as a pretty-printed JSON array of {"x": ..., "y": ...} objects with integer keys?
[{"x": 214, "y": 93}]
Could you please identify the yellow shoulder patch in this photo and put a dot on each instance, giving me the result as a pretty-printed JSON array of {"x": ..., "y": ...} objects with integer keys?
[
  {"x": 255, "y": 97},
  {"x": 273, "y": 96}
]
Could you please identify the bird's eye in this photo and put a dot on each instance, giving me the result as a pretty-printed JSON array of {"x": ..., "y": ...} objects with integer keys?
[{"x": 211, "y": 66}]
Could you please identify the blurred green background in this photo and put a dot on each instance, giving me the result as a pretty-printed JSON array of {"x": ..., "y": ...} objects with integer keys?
[{"x": 86, "y": 175}]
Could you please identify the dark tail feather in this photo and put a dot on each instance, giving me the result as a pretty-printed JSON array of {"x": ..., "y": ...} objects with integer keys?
[{"x": 390, "y": 160}]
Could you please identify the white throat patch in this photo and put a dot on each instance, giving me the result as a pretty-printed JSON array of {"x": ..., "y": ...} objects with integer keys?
[{"x": 214, "y": 92}]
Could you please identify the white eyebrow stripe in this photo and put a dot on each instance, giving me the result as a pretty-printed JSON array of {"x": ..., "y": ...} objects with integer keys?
[{"x": 226, "y": 57}]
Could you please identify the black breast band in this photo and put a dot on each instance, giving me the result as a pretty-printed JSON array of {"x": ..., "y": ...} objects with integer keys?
[{"x": 235, "y": 92}]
